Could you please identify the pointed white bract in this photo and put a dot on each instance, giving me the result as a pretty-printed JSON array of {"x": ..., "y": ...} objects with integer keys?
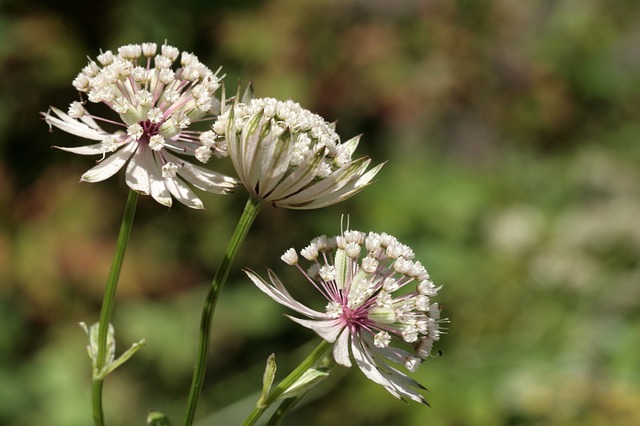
[
  {"x": 289, "y": 157},
  {"x": 155, "y": 105},
  {"x": 110, "y": 361},
  {"x": 379, "y": 310}
]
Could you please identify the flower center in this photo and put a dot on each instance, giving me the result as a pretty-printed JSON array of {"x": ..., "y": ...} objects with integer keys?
[
  {"x": 354, "y": 317},
  {"x": 149, "y": 129},
  {"x": 153, "y": 131}
]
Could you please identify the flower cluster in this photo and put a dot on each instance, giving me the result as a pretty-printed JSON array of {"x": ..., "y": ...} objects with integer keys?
[
  {"x": 156, "y": 105},
  {"x": 370, "y": 311},
  {"x": 290, "y": 157}
]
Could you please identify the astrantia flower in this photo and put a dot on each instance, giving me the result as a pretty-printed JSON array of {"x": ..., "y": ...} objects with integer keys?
[
  {"x": 156, "y": 105},
  {"x": 370, "y": 313},
  {"x": 290, "y": 157}
]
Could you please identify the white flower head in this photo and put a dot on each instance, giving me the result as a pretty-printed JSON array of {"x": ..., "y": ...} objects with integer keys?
[
  {"x": 286, "y": 155},
  {"x": 155, "y": 105},
  {"x": 364, "y": 316}
]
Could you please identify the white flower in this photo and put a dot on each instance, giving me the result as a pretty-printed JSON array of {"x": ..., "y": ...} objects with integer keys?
[
  {"x": 155, "y": 105},
  {"x": 289, "y": 157},
  {"x": 362, "y": 316}
]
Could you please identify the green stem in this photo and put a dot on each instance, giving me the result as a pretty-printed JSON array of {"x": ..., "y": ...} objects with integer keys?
[
  {"x": 107, "y": 304},
  {"x": 251, "y": 210},
  {"x": 96, "y": 397},
  {"x": 312, "y": 360},
  {"x": 284, "y": 407}
]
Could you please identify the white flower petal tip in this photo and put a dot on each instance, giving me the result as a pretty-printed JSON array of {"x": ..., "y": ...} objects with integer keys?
[
  {"x": 367, "y": 316},
  {"x": 290, "y": 157},
  {"x": 155, "y": 100}
]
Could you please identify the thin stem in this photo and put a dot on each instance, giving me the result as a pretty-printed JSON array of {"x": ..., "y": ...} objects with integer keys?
[
  {"x": 251, "y": 210},
  {"x": 96, "y": 398},
  {"x": 284, "y": 407},
  {"x": 107, "y": 304},
  {"x": 311, "y": 360}
]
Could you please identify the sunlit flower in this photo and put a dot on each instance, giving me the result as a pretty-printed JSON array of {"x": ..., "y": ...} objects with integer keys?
[
  {"x": 371, "y": 313},
  {"x": 290, "y": 157},
  {"x": 156, "y": 105}
]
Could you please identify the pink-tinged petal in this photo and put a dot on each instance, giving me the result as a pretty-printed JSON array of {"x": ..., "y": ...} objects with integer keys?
[
  {"x": 360, "y": 320},
  {"x": 279, "y": 293},
  {"x": 395, "y": 382},
  {"x": 95, "y": 149},
  {"x": 341, "y": 348},
  {"x": 74, "y": 126},
  {"x": 202, "y": 178},
  {"x": 153, "y": 115},
  {"x": 328, "y": 329},
  {"x": 182, "y": 193},
  {"x": 109, "y": 166},
  {"x": 137, "y": 175}
]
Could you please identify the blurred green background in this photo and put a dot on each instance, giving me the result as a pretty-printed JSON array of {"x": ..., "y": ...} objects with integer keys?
[{"x": 511, "y": 131}]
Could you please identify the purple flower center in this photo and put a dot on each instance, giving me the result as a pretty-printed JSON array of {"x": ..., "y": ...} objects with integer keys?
[
  {"x": 149, "y": 129},
  {"x": 355, "y": 318}
]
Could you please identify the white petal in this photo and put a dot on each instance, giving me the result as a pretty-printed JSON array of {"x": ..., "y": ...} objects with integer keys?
[
  {"x": 279, "y": 293},
  {"x": 202, "y": 178},
  {"x": 184, "y": 147},
  {"x": 275, "y": 155},
  {"x": 352, "y": 144},
  {"x": 251, "y": 137},
  {"x": 328, "y": 329},
  {"x": 95, "y": 149},
  {"x": 340, "y": 263},
  {"x": 234, "y": 143},
  {"x": 367, "y": 365},
  {"x": 73, "y": 126},
  {"x": 137, "y": 176},
  {"x": 182, "y": 193},
  {"x": 395, "y": 382},
  {"x": 325, "y": 195},
  {"x": 236, "y": 147},
  {"x": 341, "y": 348},
  {"x": 89, "y": 121},
  {"x": 297, "y": 179},
  {"x": 159, "y": 190},
  {"x": 330, "y": 184},
  {"x": 109, "y": 166},
  {"x": 351, "y": 188},
  {"x": 391, "y": 353}
]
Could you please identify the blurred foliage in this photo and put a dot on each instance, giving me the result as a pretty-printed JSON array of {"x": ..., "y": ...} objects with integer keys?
[{"x": 511, "y": 134}]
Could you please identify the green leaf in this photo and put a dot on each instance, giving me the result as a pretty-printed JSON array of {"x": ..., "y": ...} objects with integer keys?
[
  {"x": 156, "y": 418},
  {"x": 267, "y": 378},
  {"x": 309, "y": 379}
]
